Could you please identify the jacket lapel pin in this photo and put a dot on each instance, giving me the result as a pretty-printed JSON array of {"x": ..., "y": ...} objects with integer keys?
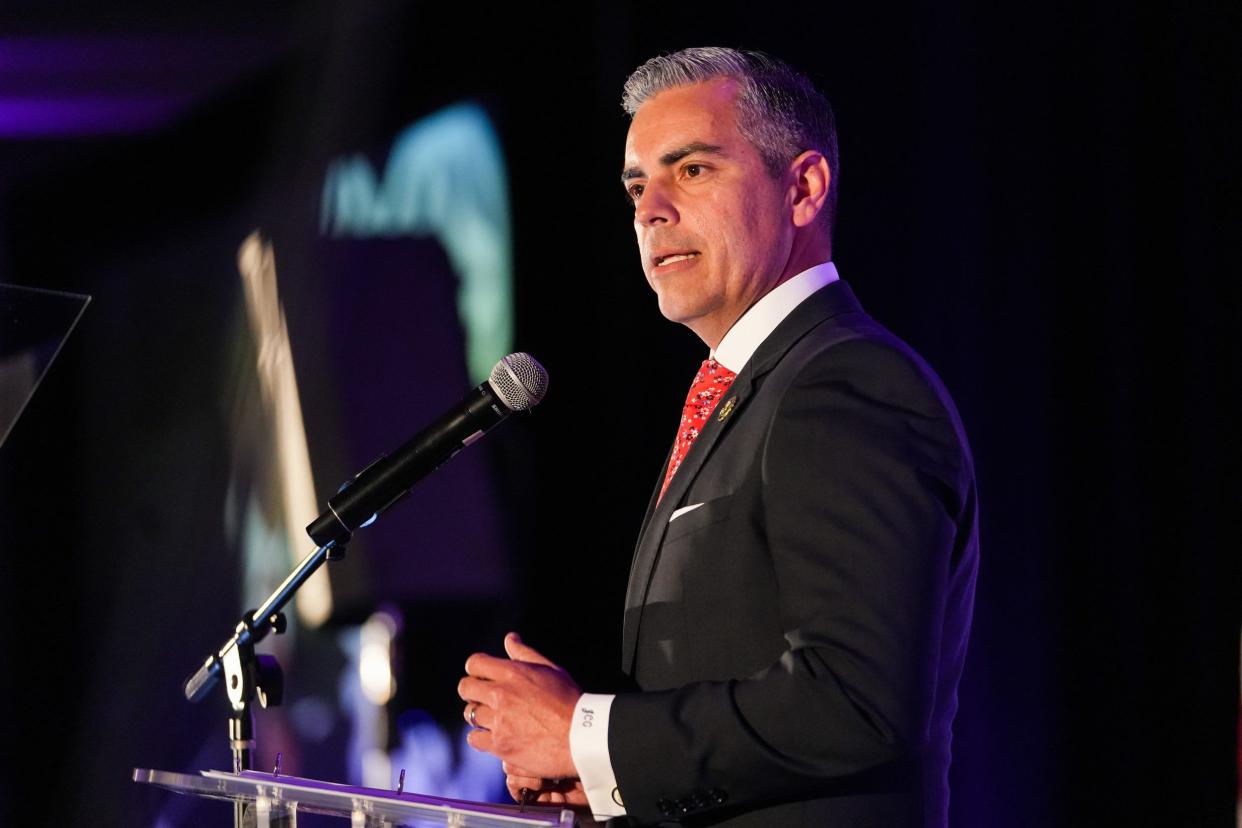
[{"x": 726, "y": 409}]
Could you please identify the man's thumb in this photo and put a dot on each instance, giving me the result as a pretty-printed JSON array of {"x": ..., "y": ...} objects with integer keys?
[{"x": 519, "y": 651}]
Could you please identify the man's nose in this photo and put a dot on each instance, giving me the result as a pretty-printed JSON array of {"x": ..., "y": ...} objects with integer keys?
[{"x": 654, "y": 206}]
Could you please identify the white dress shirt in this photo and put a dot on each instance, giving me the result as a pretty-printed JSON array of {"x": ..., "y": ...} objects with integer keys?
[{"x": 588, "y": 733}]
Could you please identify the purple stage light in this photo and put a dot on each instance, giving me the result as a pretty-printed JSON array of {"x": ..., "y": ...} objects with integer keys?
[
  {"x": 107, "y": 85},
  {"x": 84, "y": 116}
]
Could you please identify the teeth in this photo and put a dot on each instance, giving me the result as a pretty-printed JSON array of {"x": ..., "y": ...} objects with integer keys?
[{"x": 679, "y": 257}]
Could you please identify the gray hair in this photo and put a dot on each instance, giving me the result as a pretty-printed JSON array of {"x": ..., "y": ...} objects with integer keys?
[{"x": 779, "y": 110}]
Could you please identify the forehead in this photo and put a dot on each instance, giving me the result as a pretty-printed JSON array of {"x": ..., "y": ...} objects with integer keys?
[{"x": 702, "y": 112}]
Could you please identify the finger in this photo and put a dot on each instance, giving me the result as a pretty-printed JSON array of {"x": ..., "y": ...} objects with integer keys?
[
  {"x": 532, "y": 782},
  {"x": 534, "y": 796},
  {"x": 530, "y": 795},
  {"x": 517, "y": 784},
  {"x": 520, "y": 651},
  {"x": 514, "y": 770},
  {"x": 477, "y": 690},
  {"x": 485, "y": 666},
  {"x": 482, "y": 718},
  {"x": 480, "y": 740}
]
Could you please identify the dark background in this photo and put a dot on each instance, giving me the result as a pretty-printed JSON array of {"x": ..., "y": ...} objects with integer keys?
[{"x": 1042, "y": 199}]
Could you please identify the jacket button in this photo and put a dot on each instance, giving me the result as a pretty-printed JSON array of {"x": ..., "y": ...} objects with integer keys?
[
  {"x": 718, "y": 796},
  {"x": 666, "y": 807}
]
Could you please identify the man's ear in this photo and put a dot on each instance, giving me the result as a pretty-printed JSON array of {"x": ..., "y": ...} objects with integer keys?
[{"x": 810, "y": 179}]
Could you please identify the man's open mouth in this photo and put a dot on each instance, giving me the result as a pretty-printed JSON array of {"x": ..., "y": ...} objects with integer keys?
[{"x": 670, "y": 258}]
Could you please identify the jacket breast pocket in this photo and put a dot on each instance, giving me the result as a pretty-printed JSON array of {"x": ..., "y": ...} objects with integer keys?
[{"x": 711, "y": 512}]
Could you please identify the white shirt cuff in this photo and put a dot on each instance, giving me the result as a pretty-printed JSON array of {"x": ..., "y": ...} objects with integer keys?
[{"x": 588, "y": 746}]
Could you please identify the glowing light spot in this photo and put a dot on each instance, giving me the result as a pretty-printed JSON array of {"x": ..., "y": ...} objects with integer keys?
[{"x": 375, "y": 659}]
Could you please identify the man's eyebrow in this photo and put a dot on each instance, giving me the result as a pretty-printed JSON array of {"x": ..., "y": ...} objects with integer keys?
[
  {"x": 670, "y": 158},
  {"x": 673, "y": 156}
]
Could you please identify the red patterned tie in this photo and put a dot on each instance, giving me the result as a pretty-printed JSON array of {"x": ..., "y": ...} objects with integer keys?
[{"x": 709, "y": 385}]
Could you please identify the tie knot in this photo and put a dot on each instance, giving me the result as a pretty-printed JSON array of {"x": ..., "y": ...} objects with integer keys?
[
  {"x": 709, "y": 385},
  {"x": 711, "y": 370}
]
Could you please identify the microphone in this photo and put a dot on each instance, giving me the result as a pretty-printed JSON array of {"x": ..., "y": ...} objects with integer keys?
[{"x": 517, "y": 383}]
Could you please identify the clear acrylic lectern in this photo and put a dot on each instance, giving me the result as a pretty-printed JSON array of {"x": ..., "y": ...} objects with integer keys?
[
  {"x": 277, "y": 800},
  {"x": 34, "y": 324}
]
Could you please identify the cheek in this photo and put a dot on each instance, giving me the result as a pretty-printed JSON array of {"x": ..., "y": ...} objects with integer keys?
[
  {"x": 740, "y": 233},
  {"x": 758, "y": 213},
  {"x": 762, "y": 222}
]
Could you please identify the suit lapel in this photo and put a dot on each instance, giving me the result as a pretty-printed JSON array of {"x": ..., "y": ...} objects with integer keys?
[
  {"x": 651, "y": 535},
  {"x": 655, "y": 495},
  {"x": 832, "y": 300}
]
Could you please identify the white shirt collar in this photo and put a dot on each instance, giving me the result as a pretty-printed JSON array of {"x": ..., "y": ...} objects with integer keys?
[{"x": 749, "y": 331}]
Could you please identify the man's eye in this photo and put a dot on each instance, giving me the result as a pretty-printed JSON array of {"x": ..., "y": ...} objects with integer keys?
[
  {"x": 634, "y": 191},
  {"x": 694, "y": 170}
]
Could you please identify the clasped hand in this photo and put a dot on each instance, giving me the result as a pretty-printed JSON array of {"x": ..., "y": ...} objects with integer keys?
[{"x": 523, "y": 707}]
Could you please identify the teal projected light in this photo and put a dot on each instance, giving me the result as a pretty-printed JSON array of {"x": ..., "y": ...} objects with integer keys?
[{"x": 445, "y": 178}]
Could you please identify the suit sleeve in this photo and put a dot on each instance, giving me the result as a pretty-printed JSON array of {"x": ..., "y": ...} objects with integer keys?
[{"x": 864, "y": 478}]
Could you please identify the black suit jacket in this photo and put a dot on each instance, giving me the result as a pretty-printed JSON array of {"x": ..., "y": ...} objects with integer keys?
[{"x": 798, "y": 638}]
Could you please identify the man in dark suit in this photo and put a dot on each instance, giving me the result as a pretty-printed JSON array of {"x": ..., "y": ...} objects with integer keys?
[{"x": 801, "y": 593}]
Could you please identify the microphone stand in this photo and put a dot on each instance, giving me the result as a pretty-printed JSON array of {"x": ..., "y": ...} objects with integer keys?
[
  {"x": 517, "y": 383},
  {"x": 248, "y": 675}
]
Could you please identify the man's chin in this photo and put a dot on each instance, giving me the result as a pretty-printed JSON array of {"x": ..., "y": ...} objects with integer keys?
[
  {"x": 678, "y": 312},
  {"x": 693, "y": 317}
]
